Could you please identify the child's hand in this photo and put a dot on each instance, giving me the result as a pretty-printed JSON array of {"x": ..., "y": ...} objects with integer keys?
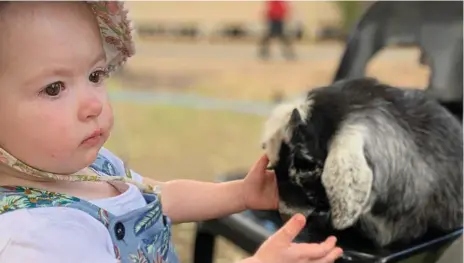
[
  {"x": 280, "y": 249},
  {"x": 260, "y": 187}
]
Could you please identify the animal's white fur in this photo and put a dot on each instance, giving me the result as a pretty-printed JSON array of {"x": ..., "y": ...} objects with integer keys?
[
  {"x": 347, "y": 177},
  {"x": 276, "y": 127},
  {"x": 287, "y": 210}
]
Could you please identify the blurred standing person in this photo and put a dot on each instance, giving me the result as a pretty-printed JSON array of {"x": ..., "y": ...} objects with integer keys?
[{"x": 276, "y": 14}]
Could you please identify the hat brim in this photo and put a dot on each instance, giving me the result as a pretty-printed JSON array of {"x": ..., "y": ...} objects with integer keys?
[{"x": 116, "y": 31}]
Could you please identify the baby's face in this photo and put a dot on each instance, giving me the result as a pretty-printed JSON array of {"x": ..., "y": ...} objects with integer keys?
[{"x": 52, "y": 98}]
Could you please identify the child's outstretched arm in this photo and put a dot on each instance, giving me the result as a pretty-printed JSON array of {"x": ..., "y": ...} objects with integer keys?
[{"x": 189, "y": 200}]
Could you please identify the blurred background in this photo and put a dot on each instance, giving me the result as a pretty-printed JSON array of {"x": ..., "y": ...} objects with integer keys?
[{"x": 192, "y": 102}]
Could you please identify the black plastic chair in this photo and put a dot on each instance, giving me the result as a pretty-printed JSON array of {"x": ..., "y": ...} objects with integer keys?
[
  {"x": 249, "y": 229},
  {"x": 435, "y": 27}
]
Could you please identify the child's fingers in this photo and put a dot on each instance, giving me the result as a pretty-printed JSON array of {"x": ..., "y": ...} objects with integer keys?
[
  {"x": 259, "y": 168},
  {"x": 270, "y": 177},
  {"x": 311, "y": 251},
  {"x": 261, "y": 164},
  {"x": 288, "y": 232},
  {"x": 270, "y": 174},
  {"x": 307, "y": 251},
  {"x": 331, "y": 257},
  {"x": 329, "y": 243}
]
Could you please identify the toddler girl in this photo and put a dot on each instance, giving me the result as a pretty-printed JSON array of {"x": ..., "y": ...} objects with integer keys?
[{"x": 65, "y": 198}]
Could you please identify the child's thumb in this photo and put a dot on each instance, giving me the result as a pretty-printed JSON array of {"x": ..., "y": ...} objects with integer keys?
[
  {"x": 288, "y": 232},
  {"x": 261, "y": 164}
]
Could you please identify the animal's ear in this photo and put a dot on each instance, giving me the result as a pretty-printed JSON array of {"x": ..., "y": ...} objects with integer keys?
[
  {"x": 347, "y": 179},
  {"x": 303, "y": 133},
  {"x": 296, "y": 119},
  {"x": 298, "y": 128}
]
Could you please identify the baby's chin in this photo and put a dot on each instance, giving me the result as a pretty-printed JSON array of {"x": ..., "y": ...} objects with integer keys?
[
  {"x": 80, "y": 161},
  {"x": 90, "y": 154},
  {"x": 90, "y": 157}
]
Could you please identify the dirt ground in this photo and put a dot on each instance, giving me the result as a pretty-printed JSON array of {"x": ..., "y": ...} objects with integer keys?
[
  {"x": 168, "y": 142},
  {"x": 234, "y": 71}
]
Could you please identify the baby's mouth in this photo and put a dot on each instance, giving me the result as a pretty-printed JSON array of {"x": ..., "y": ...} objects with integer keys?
[{"x": 93, "y": 139}]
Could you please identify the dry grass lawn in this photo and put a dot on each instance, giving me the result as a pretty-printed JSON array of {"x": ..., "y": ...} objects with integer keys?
[
  {"x": 167, "y": 142},
  {"x": 234, "y": 72}
]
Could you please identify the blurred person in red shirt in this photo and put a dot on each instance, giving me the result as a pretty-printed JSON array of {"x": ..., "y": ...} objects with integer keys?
[{"x": 276, "y": 15}]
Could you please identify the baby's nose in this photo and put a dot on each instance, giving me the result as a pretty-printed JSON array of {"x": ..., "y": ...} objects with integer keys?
[{"x": 91, "y": 107}]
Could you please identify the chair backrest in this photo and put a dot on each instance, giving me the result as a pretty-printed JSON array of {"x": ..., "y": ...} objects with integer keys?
[{"x": 435, "y": 27}]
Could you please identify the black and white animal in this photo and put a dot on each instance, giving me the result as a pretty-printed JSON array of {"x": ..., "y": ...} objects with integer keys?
[{"x": 380, "y": 159}]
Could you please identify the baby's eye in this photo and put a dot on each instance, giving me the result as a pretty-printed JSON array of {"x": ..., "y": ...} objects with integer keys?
[
  {"x": 54, "y": 89},
  {"x": 98, "y": 76}
]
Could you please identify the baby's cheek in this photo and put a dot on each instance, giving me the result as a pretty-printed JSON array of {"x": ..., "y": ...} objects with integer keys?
[
  {"x": 43, "y": 146},
  {"x": 107, "y": 116},
  {"x": 59, "y": 137},
  {"x": 57, "y": 125}
]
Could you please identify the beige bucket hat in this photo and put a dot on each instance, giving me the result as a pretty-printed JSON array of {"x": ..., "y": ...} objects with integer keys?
[{"x": 116, "y": 31}]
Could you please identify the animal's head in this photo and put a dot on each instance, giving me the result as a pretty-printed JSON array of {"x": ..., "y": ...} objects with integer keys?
[
  {"x": 297, "y": 156},
  {"x": 319, "y": 159}
]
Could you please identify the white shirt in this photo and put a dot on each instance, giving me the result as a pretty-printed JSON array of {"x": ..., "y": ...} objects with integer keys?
[{"x": 65, "y": 235}]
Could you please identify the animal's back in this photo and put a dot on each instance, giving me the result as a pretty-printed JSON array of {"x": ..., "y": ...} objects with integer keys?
[
  {"x": 416, "y": 150},
  {"x": 430, "y": 125}
]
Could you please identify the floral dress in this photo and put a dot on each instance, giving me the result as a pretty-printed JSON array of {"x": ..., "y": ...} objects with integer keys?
[{"x": 140, "y": 236}]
